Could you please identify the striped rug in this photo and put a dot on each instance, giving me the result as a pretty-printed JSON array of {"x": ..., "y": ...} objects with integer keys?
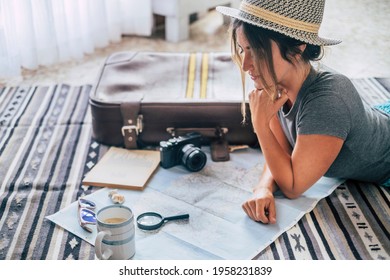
[{"x": 46, "y": 148}]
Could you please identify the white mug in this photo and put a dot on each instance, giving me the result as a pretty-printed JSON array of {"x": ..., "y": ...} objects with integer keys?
[{"x": 116, "y": 233}]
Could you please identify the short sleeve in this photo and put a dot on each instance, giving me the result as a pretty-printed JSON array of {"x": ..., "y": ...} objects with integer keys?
[{"x": 326, "y": 114}]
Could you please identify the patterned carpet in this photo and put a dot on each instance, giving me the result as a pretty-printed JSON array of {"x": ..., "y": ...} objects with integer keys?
[{"x": 46, "y": 148}]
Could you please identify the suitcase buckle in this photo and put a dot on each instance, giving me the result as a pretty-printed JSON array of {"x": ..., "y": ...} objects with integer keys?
[{"x": 138, "y": 127}]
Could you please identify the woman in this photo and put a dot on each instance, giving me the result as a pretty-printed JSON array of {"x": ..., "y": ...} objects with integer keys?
[{"x": 309, "y": 123}]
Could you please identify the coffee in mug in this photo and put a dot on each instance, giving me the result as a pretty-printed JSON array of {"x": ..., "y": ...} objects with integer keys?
[
  {"x": 116, "y": 233},
  {"x": 114, "y": 220}
]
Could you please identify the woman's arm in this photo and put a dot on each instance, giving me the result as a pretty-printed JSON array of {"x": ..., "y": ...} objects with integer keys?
[
  {"x": 312, "y": 155},
  {"x": 261, "y": 207},
  {"x": 311, "y": 158}
]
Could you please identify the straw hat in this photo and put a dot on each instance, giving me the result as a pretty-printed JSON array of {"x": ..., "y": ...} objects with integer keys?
[{"x": 299, "y": 19}]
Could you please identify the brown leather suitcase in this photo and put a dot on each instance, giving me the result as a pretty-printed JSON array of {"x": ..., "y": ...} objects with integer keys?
[{"x": 142, "y": 98}]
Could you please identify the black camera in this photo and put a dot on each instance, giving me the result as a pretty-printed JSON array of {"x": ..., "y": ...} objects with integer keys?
[{"x": 183, "y": 150}]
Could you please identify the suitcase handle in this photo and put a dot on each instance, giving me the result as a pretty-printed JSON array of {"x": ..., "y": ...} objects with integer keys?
[{"x": 205, "y": 131}]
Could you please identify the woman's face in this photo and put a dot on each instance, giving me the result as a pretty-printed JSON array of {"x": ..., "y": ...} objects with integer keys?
[{"x": 281, "y": 66}]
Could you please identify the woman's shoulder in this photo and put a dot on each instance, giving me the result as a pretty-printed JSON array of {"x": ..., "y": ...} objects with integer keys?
[
  {"x": 328, "y": 89},
  {"x": 332, "y": 91},
  {"x": 326, "y": 75},
  {"x": 328, "y": 81}
]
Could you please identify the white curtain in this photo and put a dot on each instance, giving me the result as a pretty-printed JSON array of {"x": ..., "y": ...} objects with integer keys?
[{"x": 43, "y": 32}]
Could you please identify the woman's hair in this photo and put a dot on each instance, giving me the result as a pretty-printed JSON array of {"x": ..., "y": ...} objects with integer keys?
[{"x": 259, "y": 40}]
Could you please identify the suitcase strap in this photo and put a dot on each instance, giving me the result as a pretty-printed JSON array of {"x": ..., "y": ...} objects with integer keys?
[
  {"x": 219, "y": 146},
  {"x": 132, "y": 123}
]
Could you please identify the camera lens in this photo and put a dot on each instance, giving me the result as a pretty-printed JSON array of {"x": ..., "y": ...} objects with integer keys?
[{"x": 193, "y": 158}]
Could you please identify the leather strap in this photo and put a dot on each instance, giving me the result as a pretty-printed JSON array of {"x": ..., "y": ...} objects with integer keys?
[
  {"x": 219, "y": 150},
  {"x": 132, "y": 123},
  {"x": 219, "y": 146},
  {"x": 209, "y": 132}
]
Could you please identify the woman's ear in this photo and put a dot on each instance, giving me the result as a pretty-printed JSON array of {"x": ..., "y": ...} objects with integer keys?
[{"x": 302, "y": 47}]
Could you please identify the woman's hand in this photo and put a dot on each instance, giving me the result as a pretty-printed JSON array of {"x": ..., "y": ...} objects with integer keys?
[
  {"x": 261, "y": 208},
  {"x": 263, "y": 108}
]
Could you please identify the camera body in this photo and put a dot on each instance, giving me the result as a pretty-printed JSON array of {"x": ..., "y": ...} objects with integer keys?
[{"x": 183, "y": 150}]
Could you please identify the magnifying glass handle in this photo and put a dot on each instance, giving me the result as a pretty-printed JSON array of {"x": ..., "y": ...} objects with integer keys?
[{"x": 178, "y": 217}]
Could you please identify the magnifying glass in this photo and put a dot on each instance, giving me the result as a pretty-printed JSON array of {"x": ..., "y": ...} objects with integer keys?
[{"x": 153, "y": 220}]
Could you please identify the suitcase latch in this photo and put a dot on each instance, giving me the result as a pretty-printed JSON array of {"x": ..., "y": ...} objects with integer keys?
[{"x": 137, "y": 127}]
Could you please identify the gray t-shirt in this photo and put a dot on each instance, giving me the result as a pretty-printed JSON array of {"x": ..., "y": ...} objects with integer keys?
[{"x": 329, "y": 104}]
